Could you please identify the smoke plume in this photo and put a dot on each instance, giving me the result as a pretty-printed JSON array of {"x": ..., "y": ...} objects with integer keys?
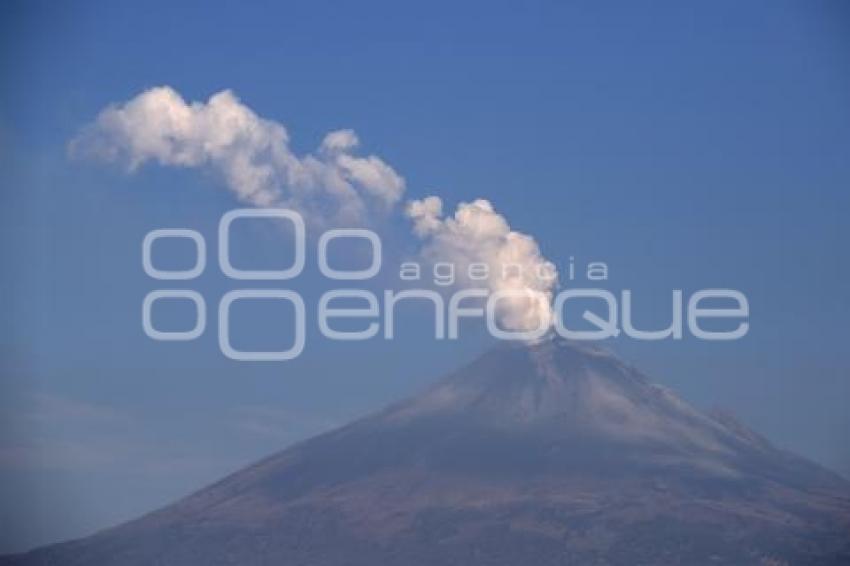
[
  {"x": 477, "y": 234},
  {"x": 251, "y": 153},
  {"x": 331, "y": 186}
]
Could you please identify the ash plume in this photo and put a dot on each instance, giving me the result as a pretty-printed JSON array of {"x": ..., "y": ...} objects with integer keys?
[
  {"x": 332, "y": 186},
  {"x": 252, "y": 154}
]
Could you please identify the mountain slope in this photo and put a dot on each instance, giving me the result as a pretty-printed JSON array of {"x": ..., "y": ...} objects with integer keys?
[{"x": 548, "y": 454}]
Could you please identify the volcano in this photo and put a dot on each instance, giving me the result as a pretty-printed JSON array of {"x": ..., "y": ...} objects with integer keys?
[{"x": 553, "y": 453}]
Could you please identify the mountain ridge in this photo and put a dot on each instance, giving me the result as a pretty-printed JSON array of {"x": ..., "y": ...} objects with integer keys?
[{"x": 549, "y": 453}]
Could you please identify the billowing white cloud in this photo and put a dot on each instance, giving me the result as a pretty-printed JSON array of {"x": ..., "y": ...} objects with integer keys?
[
  {"x": 330, "y": 187},
  {"x": 251, "y": 153},
  {"x": 477, "y": 234}
]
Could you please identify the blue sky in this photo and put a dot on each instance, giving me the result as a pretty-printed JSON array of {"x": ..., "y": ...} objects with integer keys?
[{"x": 688, "y": 146}]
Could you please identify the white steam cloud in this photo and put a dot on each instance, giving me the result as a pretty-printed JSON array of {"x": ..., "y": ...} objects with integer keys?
[
  {"x": 477, "y": 234},
  {"x": 251, "y": 153},
  {"x": 330, "y": 186}
]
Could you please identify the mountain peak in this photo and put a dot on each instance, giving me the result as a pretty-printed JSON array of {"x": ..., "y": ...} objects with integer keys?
[
  {"x": 545, "y": 453},
  {"x": 521, "y": 382}
]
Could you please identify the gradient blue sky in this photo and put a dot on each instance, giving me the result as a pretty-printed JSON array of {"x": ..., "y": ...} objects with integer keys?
[{"x": 688, "y": 146}]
